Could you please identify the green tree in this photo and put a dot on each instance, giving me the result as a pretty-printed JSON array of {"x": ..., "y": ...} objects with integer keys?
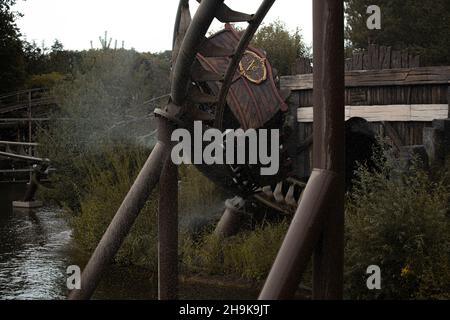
[
  {"x": 57, "y": 46},
  {"x": 421, "y": 25},
  {"x": 12, "y": 68},
  {"x": 105, "y": 100},
  {"x": 35, "y": 58},
  {"x": 282, "y": 46}
]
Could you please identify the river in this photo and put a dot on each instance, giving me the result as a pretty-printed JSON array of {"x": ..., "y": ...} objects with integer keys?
[{"x": 36, "y": 248}]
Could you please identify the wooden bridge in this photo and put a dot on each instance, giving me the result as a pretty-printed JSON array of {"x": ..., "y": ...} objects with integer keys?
[{"x": 19, "y": 113}]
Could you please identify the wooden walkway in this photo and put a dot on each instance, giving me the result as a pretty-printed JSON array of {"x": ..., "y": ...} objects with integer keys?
[{"x": 18, "y": 123}]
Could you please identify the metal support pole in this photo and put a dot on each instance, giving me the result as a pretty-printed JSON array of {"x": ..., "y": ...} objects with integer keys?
[
  {"x": 230, "y": 222},
  {"x": 301, "y": 238},
  {"x": 126, "y": 215},
  {"x": 168, "y": 232},
  {"x": 320, "y": 213},
  {"x": 329, "y": 141}
]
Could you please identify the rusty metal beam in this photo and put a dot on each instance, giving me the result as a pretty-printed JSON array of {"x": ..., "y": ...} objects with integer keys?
[
  {"x": 126, "y": 215},
  {"x": 329, "y": 141},
  {"x": 194, "y": 37},
  {"x": 230, "y": 222},
  {"x": 182, "y": 5},
  {"x": 301, "y": 238},
  {"x": 168, "y": 233},
  {"x": 318, "y": 223},
  {"x": 234, "y": 63}
]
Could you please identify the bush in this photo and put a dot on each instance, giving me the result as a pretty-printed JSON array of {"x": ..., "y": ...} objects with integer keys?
[
  {"x": 400, "y": 223},
  {"x": 249, "y": 255},
  {"x": 47, "y": 81},
  {"x": 101, "y": 105},
  {"x": 108, "y": 181}
]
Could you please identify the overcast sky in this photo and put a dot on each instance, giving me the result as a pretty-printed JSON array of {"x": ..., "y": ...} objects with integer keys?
[{"x": 145, "y": 25}]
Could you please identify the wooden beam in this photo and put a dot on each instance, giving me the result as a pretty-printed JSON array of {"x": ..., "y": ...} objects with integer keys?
[
  {"x": 404, "y": 113},
  {"x": 22, "y": 157},
  {"x": 369, "y": 78},
  {"x": 448, "y": 98},
  {"x": 15, "y": 143},
  {"x": 16, "y": 170},
  {"x": 22, "y": 170},
  {"x": 23, "y": 119},
  {"x": 393, "y": 134}
]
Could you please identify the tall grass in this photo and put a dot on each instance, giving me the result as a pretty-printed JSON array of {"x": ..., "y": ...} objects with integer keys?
[
  {"x": 108, "y": 178},
  {"x": 108, "y": 182},
  {"x": 249, "y": 255}
]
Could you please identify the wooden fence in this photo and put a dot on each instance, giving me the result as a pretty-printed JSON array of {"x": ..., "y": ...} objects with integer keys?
[
  {"x": 398, "y": 103},
  {"x": 374, "y": 58}
]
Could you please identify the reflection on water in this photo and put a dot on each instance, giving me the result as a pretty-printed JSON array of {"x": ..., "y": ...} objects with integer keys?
[{"x": 36, "y": 249}]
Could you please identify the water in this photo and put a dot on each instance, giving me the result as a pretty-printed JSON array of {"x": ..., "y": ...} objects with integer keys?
[{"x": 36, "y": 248}]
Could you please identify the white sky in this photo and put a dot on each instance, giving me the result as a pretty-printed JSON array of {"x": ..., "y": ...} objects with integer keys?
[{"x": 145, "y": 25}]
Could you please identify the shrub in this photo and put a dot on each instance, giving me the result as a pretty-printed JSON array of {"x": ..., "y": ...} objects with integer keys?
[
  {"x": 249, "y": 254},
  {"x": 108, "y": 181},
  {"x": 48, "y": 80},
  {"x": 399, "y": 222}
]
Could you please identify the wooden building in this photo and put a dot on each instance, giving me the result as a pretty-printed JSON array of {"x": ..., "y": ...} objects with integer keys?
[{"x": 398, "y": 103}]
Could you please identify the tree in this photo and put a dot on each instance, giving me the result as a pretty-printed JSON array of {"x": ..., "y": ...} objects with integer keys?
[
  {"x": 282, "y": 46},
  {"x": 34, "y": 58},
  {"x": 107, "y": 102},
  {"x": 57, "y": 46},
  {"x": 420, "y": 25},
  {"x": 12, "y": 68}
]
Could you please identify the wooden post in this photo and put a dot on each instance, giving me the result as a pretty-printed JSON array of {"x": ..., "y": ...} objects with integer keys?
[
  {"x": 329, "y": 142},
  {"x": 29, "y": 121},
  {"x": 448, "y": 99},
  {"x": 30, "y": 148}
]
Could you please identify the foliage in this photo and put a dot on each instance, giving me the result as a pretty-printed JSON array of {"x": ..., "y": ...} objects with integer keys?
[
  {"x": 282, "y": 46},
  {"x": 93, "y": 142},
  {"x": 204, "y": 189},
  {"x": 101, "y": 105},
  {"x": 421, "y": 25},
  {"x": 401, "y": 223},
  {"x": 107, "y": 177},
  {"x": 48, "y": 80},
  {"x": 107, "y": 180},
  {"x": 41, "y": 60},
  {"x": 12, "y": 65},
  {"x": 249, "y": 255}
]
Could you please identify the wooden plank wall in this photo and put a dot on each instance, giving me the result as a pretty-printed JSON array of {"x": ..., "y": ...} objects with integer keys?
[
  {"x": 381, "y": 57},
  {"x": 391, "y": 113},
  {"x": 426, "y": 87},
  {"x": 374, "y": 58}
]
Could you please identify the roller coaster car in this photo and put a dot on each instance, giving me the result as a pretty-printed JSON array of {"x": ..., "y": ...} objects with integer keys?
[
  {"x": 253, "y": 102},
  {"x": 253, "y": 98}
]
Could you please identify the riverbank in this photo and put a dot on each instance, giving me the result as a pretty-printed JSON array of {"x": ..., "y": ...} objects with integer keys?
[{"x": 36, "y": 247}]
